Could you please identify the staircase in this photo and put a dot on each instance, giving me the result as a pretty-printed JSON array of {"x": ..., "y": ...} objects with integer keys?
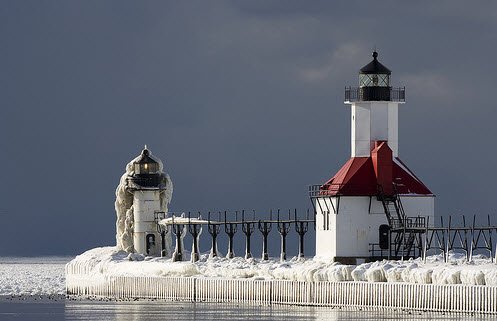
[{"x": 405, "y": 231}]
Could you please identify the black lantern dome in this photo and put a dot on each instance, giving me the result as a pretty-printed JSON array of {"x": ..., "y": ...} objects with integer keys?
[
  {"x": 374, "y": 84},
  {"x": 146, "y": 172}
]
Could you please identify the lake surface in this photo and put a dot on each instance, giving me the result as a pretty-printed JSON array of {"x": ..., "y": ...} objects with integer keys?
[{"x": 39, "y": 308}]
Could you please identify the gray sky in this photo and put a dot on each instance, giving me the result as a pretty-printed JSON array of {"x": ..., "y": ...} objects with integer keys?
[{"x": 242, "y": 100}]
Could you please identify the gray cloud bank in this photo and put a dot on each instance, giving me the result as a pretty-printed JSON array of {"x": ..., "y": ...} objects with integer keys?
[{"x": 242, "y": 100}]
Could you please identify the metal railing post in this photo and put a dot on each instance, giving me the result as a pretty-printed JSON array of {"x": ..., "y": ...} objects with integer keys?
[
  {"x": 283, "y": 229},
  {"x": 179, "y": 231},
  {"x": 162, "y": 230},
  {"x": 301, "y": 228},
  {"x": 195, "y": 231},
  {"x": 265, "y": 229},
  {"x": 247, "y": 229},
  {"x": 230, "y": 228},
  {"x": 214, "y": 232}
]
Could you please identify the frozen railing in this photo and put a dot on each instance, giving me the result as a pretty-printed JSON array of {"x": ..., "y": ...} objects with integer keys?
[
  {"x": 121, "y": 287},
  {"x": 466, "y": 237},
  {"x": 409, "y": 296},
  {"x": 247, "y": 224}
]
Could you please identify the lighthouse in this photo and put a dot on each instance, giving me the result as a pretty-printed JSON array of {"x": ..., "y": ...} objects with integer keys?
[
  {"x": 142, "y": 199},
  {"x": 374, "y": 206}
]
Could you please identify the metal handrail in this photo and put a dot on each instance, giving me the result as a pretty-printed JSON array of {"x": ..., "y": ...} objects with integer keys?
[
  {"x": 408, "y": 222},
  {"x": 392, "y": 94},
  {"x": 323, "y": 190}
]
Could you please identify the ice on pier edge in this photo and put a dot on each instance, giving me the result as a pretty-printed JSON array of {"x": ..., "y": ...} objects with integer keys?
[
  {"x": 108, "y": 262},
  {"x": 124, "y": 207}
]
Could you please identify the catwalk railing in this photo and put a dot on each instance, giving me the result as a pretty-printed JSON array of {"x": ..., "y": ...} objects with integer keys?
[
  {"x": 466, "y": 238},
  {"x": 469, "y": 239},
  {"x": 442, "y": 239},
  {"x": 246, "y": 223},
  {"x": 353, "y": 94},
  {"x": 409, "y": 296}
]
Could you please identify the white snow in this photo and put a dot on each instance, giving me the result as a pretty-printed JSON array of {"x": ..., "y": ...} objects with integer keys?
[
  {"x": 32, "y": 276},
  {"x": 108, "y": 261},
  {"x": 184, "y": 220}
]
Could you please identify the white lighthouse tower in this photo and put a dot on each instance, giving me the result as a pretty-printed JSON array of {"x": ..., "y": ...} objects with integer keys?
[
  {"x": 142, "y": 199},
  {"x": 374, "y": 205}
]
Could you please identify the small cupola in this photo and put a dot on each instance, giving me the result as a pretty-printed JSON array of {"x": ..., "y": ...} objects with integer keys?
[
  {"x": 145, "y": 164},
  {"x": 374, "y": 74}
]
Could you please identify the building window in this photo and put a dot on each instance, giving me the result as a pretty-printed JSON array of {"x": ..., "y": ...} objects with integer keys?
[
  {"x": 374, "y": 80},
  {"x": 326, "y": 220}
]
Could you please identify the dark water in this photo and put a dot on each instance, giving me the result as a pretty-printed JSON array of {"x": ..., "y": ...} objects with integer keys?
[{"x": 36, "y": 308}]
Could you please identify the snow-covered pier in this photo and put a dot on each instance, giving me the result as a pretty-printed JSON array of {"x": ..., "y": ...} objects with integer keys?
[
  {"x": 454, "y": 286},
  {"x": 420, "y": 297}
]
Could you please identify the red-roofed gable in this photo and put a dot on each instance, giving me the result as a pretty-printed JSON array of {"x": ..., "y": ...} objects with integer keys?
[
  {"x": 381, "y": 156},
  {"x": 356, "y": 177},
  {"x": 361, "y": 175},
  {"x": 406, "y": 181}
]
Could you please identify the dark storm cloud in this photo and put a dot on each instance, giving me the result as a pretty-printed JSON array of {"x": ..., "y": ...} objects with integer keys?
[{"x": 241, "y": 99}]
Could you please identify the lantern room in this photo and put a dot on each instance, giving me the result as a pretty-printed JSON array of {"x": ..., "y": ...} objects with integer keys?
[
  {"x": 374, "y": 84},
  {"x": 146, "y": 165},
  {"x": 146, "y": 172},
  {"x": 374, "y": 74}
]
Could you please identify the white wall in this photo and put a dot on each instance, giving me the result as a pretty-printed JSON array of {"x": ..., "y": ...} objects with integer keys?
[
  {"x": 356, "y": 225},
  {"x": 421, "y": 205},
  {"x": 360, "y": 130},
  {"x": 145, "y": 204},
  {"x": 379, "y": 121},
  {"x": 371, "y": 121},
  {"x": 325, "y": 227},
  {"x": 393, "y": 128}
]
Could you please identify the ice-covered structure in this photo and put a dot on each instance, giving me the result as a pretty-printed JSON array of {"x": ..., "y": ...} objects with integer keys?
[{"x": 142, "y": 198}]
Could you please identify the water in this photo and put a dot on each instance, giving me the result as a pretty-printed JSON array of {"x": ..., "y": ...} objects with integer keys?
[
  {"x": 29, "y": 287},
  {"x": 29, "y": 309}
]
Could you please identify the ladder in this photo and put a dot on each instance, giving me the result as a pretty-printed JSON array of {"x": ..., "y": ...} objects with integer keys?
[
  {"x": 392, "y": 206},
  {"x": 403, "y": 236}
]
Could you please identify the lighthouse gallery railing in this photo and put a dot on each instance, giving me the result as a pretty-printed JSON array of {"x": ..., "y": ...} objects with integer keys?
[{"x": 397, "y": 94}]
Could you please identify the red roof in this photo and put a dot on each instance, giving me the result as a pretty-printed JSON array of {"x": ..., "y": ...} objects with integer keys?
[{"x": 360, "y": 176}]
